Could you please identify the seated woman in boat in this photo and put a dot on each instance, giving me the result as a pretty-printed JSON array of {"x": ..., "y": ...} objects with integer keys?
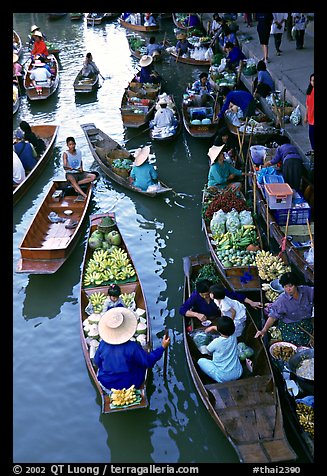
[
  {"x": 18, "y": 171},
  {"x": 225, "y": 364},
  {"x": 263, "y": 84},
  {"x": 227, "y": 138},
  {"x": 90, "y": 69},
  {"x": 113, "y": 300},
  {"x": 147, "y": 73},
  {"x": 32, "y": 38},
  {"x": 183, "y": 45},
  {"x": 243, "y": 99},
  {"x": 143, "y": 174},
  {"x": 202, "y": 89},
  {"x": 25, "y": 151},
  {"x": 199, "y": 304},
  {"x": 154, "y": 47},
  {"x": 72, "y": 161},
  {"x": 40, "y": 76},
  {"x": 40, "y": 49},
  {"x": 234, "y": 55},
  {"x": 222, "y": 173},
  {"x": 149, "y": 20},
  {"x": 164, "y": 117},
  {"x": 121, "y": 362},
  {"x": 293, "y": 311},
  {"x": 292, "y": 164},
  {"x": 37, "y": 142}
]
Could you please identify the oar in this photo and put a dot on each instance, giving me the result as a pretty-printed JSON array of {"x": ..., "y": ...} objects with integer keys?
[
  {"x": 136, "y": 135},
  {"x": 310, "y": 233},
  {"x": 165, "y": 357},
  {"x": 187, "y": 266}
]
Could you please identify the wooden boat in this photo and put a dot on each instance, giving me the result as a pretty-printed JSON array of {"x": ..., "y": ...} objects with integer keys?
[
  {"x": 200, "y": 130},
  {"x": 179, "y": 59},
  {"x": 76, "y": 16},
  {"x": 247, "y": 410},
  {"x": 259, "y": 127},
  {"x": 95, "y": 18},
  {"x": 145, "y": 29},
  {"x": 56, "y": 16},
  {"x": 85, "y": 85},
  {"x": 18, "y": 43},
  {"x": 47, "y": 91},
  {"x": 181, "y": 26},
  {"x": 138, "y": 103},
  {"x": 102, "y": 145},
  {"x": 238, "y": 278},
  {"x": 136, "y": 45},
  {"x": 16, "y": 99},
  {"x": 46, "y": 244},
  {"x": 161, "y": 136},
  {"x": 48, "y": 133},
  {"x": 129, "y": 286},
  {"x": 293, "y": 248}
]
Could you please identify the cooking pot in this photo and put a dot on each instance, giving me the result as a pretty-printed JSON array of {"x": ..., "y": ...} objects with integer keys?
[{"x": 294, "y": 362}]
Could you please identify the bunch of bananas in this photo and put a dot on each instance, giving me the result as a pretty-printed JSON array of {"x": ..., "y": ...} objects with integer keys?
[
  {"x": 108, "y": 266},
  {"x": 97, "y": 299},
  {"x": 124, "y": 396},
  {"x": 269, "y": 293},
  {"x": 269, "y": 266},
  {"x": 306, "y": 417},
  {"x": 128, "y": 298}
]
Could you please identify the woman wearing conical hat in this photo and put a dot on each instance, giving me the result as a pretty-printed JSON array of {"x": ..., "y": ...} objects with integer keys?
[
  {"x": 143, "y": 174},
  {"x": 147, "y": 73}
]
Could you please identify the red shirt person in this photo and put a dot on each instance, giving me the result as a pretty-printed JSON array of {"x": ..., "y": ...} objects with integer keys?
[{"x": 39, "y": 47}]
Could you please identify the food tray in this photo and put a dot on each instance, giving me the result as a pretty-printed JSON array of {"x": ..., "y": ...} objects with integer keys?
[{"x": 277, "y": 345}]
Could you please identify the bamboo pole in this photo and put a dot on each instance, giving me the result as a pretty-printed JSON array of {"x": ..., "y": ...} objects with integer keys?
[
  {"x": 254, "y": 185},
  {"x": 310, "y": 233},
  {"x": 267, "y": 220}
]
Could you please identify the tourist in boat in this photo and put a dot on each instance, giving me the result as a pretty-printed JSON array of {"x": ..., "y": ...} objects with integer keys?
[
  {"x": 292, "y": 164},
  {"x": 18, "y": 171},
  {"x": 183, "y": 45},
  {"x": 122, "y": 362},
  {"x": 243, "y": 99},
  {"x": 164, "y": 117},
  {"x": 225, "y": 364},
  {"x": 263, "y": 84},
  {"x": 221, "y": 173},
  {"x": 40, "y": 49},
  {"x": 40, "y": 76},
  {"x": 149, "y": 20},
  {"x": 154, "y": 47},
  {"x": 147, "y": 73},
  {"x": 32, "y": 38},
  {"x": 90, "y": 69},
  {"x": 143, "y": 174},
  {"x": 37, "y": 142},
  {"x": 25, "y": 151},
  {"x": 292, "y": 311},
  {"x": 73, "y": 165},
  {"x": 113, "y": 300}
]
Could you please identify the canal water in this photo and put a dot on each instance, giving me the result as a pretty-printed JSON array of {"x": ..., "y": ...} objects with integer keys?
[{"x": 57, "y": 411}]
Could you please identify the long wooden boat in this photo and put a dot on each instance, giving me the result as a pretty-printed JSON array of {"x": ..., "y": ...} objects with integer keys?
[
  {"x": 188, "y": 60},
  {"x": 85, "y": 85},
  {"x": 104, "y": 150},
  {"x": 18, "y": 43},
  {"x": 201, "y": 130},
  {"x": 238, "y": 277},
  {"x": 247, "y": 410},
  {"x": 128, "y": 286},
  {"x": 138, "y": 103},
  {"x": 170, "y": 135},
  {"x": 76, "y": 16},
  {"x": 293, "y": 249},
  {"x": 133, "y": 44},
  {"x": 182, "y": 26},
  {"x": 47, "y": 91},
  {"x": 48, "y": 133},
  {"x": 145, "y": 29},
  {"x": 47, "y": 244},
  {"x": 95, "y": 18}
]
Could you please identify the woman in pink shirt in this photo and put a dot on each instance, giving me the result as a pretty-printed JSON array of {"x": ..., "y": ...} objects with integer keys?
[{"x": 309, "y": 113}]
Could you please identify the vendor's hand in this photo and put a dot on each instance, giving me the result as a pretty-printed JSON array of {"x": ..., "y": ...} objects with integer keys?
[
  {"x": 256, "y": 304},
  {"x": 259, "y": 334},
  {"x": 202, "y": 317},
  {"x": 231, "y": 177},
  {"x": 165, "y": 341}
]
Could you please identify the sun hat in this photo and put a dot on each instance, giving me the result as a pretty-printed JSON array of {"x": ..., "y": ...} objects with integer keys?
[
  {"x": 145, "y": 60},
  {"x": 37, "y": 33},
  {"x": 38, "y": 63},
  {"x": 34, "y": 27},
  {"x": 162, "y": 101},
  {"x": 117, "y": 325},
  {"x": 14, "y": 58},
  {"x": 181, "y": 36},
  {"x": 19, "y": 134},
  {"x": 141, "y": 154},
  {"x": 214, "y": 151}
]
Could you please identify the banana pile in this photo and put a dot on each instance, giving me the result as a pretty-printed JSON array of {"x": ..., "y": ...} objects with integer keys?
[
  {"x": 124, "y": 397},
  {"x": 107, "y": 266},
  {"x": 269, "y": 293},
  {"x": 243, "y": 237},
  {"x": 270, "y": 267},
  {"x": 97, "y": 299},
  {"x": 306, "y": 417},
  {"x": 128, "y": 298}
]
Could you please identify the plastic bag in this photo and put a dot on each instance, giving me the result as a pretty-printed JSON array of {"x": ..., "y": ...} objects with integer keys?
[
  {"x": 245, "y": 217},
  {"x": 217, "y": 223},
  {"x": 201, "y": 339},
  {"x": 293, "y": 32},
  {"x": 232, "y": 222},
  {"x": 208, "y": 54},
  {"x": 309, "y": 256},
  {"x": 295, "y": 117}
]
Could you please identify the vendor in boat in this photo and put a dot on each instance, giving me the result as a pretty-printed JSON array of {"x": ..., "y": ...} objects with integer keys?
[
  {"x": 222, "y": 173},
  {"x": 18, "y": 171},
  {"x": 243, "y": 99},
  {"x": 25, "y": 151},
  {"x": 143, "y": 174},
  {"x": 202, "y": 90},
  {"x": 164, "y": 117},
  {"x": 154, "y": 47},
  {"x": 234, "y": 55},
  {"x": 73, "y": 165},
  {"x": 147, "y": 73},
  {"x": 293, "y": 310},
  {"x": 90, "y": 69},
  {"x": 113, "y": 300},
  {"x": 225, "y": 364},
  {"x": 40, "y": 49},
  {"x": 292, "y": 164},
  {"x": 34, "y": 28},
  {"x": 40, "y": 76},
  {"x": 149, "y": 20},
  {"x": 37, "y": 142},
  {"x": 192, "y": 21},
  {"x": 183, "y": 45},
  {"x": 122, "y": 362},
  {"x": 227, "y": 138}
]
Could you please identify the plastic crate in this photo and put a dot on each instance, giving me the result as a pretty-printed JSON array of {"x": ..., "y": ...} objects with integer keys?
[
  {"x": 298, "y": 215},
  {"x": 273, "y": 178},
  {"x": 278, "y": 195}
]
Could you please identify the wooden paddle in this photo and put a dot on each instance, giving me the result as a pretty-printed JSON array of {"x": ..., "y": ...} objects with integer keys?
[{"x": 165, "y": 357}]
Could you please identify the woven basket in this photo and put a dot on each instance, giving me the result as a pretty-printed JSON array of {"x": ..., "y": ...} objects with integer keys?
[{"x": 122, "y": 172}]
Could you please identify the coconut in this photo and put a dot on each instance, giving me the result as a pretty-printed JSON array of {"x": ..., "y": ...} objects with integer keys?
[
  {"x": 141, "y": 328},
  {"x": 94, "y": 318},
  {"x": 141, "y": 339},
  {"x": 142, "y": 320},
  {"x": 140, "y": 312},
  {"x": 93, "y": 331},
  {"x": 86, "y": 322}
]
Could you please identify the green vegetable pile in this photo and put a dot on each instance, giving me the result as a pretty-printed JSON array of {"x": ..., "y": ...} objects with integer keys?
[
  {"x": 208, "y": 271},
  {"x": 122, "y": 164}
]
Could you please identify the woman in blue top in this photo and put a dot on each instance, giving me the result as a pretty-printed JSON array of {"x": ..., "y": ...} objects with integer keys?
[
  {"x": 147, "y": 74},
  {"x": 234, "y": 54},
  {"x": 199, "y": 304},
  {"x": 240, "y": 98},
  {"x": 222, "y": 173},
  {"x": 143, "y": 174},
  {"x": 25, "y": 151},
  {"x": 120, "y": 361},
  {"x": 263, "y": 84}
]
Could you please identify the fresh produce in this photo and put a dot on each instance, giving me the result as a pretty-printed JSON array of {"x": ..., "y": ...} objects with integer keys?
[
  {"x": 128, "y": 299},
  {"x": 233, "y": 257},
  {"x": 124, "y": 397},
  {"x": 243, "y": 237},
  {"x": 275, "y": 333},
  {"x": 305, "y": 414},
  {"x": 225, "y": 201},
  {"x": 269, "y": 266},
  {"x": 244, "y": 351},
  {"x": 208, "y": 271},
  {"x": 114, "y": 237},
  {"x": 282, "y": 352},
  {"x": 95, "y": 240},
  {"x": 269, "y": 293},
  {"x": 97, "y": 300}
]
